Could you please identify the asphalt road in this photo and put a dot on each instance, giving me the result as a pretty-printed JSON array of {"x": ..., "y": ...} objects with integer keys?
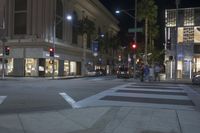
[{"x": 37, "y": 94}]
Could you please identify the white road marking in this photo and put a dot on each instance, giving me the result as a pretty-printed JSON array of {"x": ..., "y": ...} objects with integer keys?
[
  {"x": 95, "y": 99},
  {"x": 69, "y": 99},
  {"x": 2, "y": 98}
]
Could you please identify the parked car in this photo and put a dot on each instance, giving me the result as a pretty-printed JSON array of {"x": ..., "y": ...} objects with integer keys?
[
  {"x": 100, "y": 72},
  {"x": 124, "y": 72},
  {"x": 196, "y": 79},
  {"x": 91, "y": 73}
]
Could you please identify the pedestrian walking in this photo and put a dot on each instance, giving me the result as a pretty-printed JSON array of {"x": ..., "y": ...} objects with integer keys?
[
  {"x": 146, "y": 73},
  {"x": 142, "y": 72},
  {"x": 157, "y": 72},
  {"x": 151, "y": 73}
]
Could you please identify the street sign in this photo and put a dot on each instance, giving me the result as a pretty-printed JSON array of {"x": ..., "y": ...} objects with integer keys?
[{"x": 132, "y": 30}]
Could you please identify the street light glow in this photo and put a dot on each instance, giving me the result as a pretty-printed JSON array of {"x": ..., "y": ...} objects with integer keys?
[
  {"x": 117, "y": 11},
  {"x": 69, "y": 17},
  {"x": 102, "y": 35}
]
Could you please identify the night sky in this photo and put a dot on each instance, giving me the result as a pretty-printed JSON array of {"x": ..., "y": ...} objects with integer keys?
[{"x": 126, "y": 22}]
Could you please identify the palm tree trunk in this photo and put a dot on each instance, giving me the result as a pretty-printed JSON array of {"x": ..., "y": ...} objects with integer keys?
[{"x": 146, "y": 40}]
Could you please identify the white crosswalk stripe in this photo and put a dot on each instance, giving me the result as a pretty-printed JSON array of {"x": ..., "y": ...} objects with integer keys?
[
  {"x": 145, "y": 95},
  {"x": 2, "y": 98}
]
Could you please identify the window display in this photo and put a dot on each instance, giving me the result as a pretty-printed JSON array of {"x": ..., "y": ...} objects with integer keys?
[
  {"x": 31, "y": 67},
  {"x": 49, "y": 67},
  {"x": 66, "y": 67}
]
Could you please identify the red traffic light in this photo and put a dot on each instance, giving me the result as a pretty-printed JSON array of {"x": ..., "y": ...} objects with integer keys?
[
  {"x": 51, "y": 52},
  {"x": 51, "y": 49},
  {"x": 134, "y": 46}
]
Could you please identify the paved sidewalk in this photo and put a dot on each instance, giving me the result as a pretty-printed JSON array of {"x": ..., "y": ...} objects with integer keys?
[{"x": 103, "y": 120}]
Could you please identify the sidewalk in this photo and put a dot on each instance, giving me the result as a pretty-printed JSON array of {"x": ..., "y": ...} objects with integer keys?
[{"x": 103, "y": 120}]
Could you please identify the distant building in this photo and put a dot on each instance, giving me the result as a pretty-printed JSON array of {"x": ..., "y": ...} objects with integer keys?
[
  {"x": 29, "y": 30},
  {"x": 182, "y": 41}
]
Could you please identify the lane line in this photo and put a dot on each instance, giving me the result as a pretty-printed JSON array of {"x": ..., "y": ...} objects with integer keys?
[
  {"x": 2, "y": 98},
  {"x": 69, "y": 99}
]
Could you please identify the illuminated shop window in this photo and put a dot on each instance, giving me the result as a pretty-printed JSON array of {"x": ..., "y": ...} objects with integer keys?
[
  {"x": 197, "y": 34},
  {"x": 189, "y": 17},
  {"x": 188, "y": 35},
  {"x": 196, "y": 64},
  {"x": 72, "y": 68},
  {"x": 180, "y": 35},
  {"x": 66, "y": 67},
  {"x": 179, "y": 69},
  {"x": 10, "y": 66},
  {"x": 31, "y": 67},
  {"x": 170, "y": 17},
  {"x": 49, "y": 67}
]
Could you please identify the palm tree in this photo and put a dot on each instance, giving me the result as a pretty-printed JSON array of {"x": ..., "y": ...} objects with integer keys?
[
  {"x": 147, "y": 11},
  {"x": 86, "y": 28}
]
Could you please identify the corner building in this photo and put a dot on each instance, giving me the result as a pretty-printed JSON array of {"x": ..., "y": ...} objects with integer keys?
[
  {"x": 29, "y": 30},
  {"x": 182, "y": 37}
]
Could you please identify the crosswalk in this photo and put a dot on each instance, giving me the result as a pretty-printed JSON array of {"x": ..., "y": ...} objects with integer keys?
[
  {"x": 2, "y": 98},
  {"x": 157, "y": 95}
]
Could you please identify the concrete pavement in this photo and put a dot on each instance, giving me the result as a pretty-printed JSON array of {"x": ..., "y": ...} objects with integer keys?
[{"x": 103, "y": 120}]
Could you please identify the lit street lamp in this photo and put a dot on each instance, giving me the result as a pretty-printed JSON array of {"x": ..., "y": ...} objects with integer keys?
[
  {"x": 68, "y": 17},
  {"x": 135, "y": 26}
]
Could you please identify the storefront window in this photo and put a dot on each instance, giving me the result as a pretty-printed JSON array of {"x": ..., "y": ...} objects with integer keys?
[
  {"x": 10, "y": 66},
  {"x": 31, "y": 67},
  {"x": 179, "y": 69},
  {"x": 72, "y": 68},
  {"x": 66, "y": 68},
  {"x": 49, "y": 67},
  {"x": 196, "y": 67},
  {"x": 197, "y": 34},
  {"x": 180, "y": 35}
]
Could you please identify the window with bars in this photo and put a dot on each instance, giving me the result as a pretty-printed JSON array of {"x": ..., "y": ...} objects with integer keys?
[
  {"x": 59, "y": 19},
  {"x": 20, "y": 17},
  {"x": 189, "y": 17},
  {"x": 170, "y": 18}
]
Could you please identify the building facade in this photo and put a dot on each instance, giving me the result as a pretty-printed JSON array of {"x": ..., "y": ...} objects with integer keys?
[
  {"x": 182, "y": 37},
  {"x": 32, "y": 27}
]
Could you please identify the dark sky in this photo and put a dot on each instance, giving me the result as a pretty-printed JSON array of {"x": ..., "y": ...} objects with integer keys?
[
  {"x": 126, "y": 22},
  {"x": 112, "y": 5}
]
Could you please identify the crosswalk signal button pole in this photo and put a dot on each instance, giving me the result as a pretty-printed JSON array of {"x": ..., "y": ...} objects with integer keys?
[{"x": 7, "y": 50}]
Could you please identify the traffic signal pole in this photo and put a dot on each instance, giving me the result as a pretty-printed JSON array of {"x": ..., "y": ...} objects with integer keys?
[
  {"x": 135, "y": 36},
  {"x": 3, "y": 60},
  {"x": 3, "y": 47}
]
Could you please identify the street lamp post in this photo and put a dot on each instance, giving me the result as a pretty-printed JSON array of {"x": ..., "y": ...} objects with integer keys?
[
  {"x": 3, "y": 45},
  {"x": 135, "y": 26},
  {"x": 135, "y": 38},
  {"x": 69, "y": 18}
]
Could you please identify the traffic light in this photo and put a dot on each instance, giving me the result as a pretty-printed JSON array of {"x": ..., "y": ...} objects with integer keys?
[
  {"x": 51, "y": 52},
  {"x": 168, "y": 46},
  {"x": 133, "y": 45},
  {"x": 7, "y": 50}
]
